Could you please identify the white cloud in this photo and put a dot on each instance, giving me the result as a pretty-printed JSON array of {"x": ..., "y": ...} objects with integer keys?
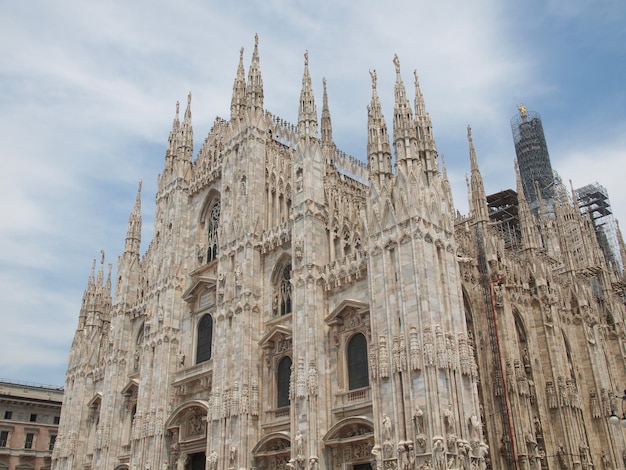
[{"x": 87, "y": 93}]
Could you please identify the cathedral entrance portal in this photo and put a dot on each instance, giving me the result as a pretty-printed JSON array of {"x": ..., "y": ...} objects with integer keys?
[
  {"x": 349, "y": 444},
  {"x": 197, "y": 461}
]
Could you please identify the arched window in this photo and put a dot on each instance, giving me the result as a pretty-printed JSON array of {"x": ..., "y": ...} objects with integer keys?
[
  {"x": 283, "y": 377},
  {"x": 285, "y": 290},
  {"x": 212, "y": 228},
  {"x": 357, "y": 362},
  {"x": 205, "y": 338}
]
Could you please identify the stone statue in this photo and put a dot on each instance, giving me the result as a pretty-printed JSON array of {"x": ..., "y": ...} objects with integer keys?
[
  {"x": 212, "y": 461},
  {"x": 373, "y": 75},
  {"x": 387, "y": 427},
  {"x": 474, "y": 425},
  {"x": 232, "y": 460},
  {"x": 418, "y": 420},
  {"x": 448, "y": 419},
  {"x": 299, "y": 444},
  {"x": 439, "y": 454}
]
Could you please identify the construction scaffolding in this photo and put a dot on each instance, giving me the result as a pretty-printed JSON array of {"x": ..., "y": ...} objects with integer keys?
[
  {"x": 533, "y": 158},
  {"x": 503, "y": 213},
  {"x": 593, "y": 200}
]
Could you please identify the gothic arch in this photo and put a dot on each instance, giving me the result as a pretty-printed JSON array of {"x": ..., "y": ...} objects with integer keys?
[
  {"x": 349, "y": 442},
  {"x": 265, "y": 442},
  {"x": 272, "y": 451},
  {"x": 283, "y": 260},
  {"x": 212, "y": 197},
  {"x": 520, "y": 325},
  {"x": 357, "y": 361},
  {"x": 123, "y": 466},
  {"x": 343, "y": 426},
  {"x": 281, "y": 286},
  {"x": 176, "y": 415},
  {"x": 204, "y": 338}
]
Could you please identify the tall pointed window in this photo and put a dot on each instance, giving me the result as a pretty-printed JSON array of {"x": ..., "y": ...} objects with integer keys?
[
  {"x": 283, "y": 378},
  {"x": 212, "y": 229},
  {"x": 285, "y": 290},
  {"x": 205, "y": 338},
  {"x": 357, "y": 362}
]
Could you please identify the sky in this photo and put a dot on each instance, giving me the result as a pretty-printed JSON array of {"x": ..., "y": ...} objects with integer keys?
[{"x": 88, "y": 92}]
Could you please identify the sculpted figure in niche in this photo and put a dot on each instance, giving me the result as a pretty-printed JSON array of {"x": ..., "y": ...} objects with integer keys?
[
  {"x": 299, "y": 444},
  {"x": 448, "y": 419},
  {"x": 474, "y": 424},
  {"x": 418, "y": 420},
  {"x": 387, "y": 427},
  {"x": 232, "y": 461},
  {"x": 212, "y": 461},
  {"x": 439, "y": 454},
  {"x": 403, "y": 459}
]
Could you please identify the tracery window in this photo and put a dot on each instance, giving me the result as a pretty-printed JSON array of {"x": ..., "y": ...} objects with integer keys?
[
  {"x": 205, "y": 339},
  {"x": 283, "y": 378},
  {"x": 357, "y": 362},
  {"x": 284, "y": 291},
  {"x": 212, "y": 229}
]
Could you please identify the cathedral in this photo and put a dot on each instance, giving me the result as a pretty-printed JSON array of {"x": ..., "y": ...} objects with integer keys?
[{"x": 300, "y": 309}]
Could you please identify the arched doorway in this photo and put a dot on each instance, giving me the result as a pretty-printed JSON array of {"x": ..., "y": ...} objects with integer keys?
[
  {"x": 273, "y": 451},
  {"x": 187, "y": 436},
  {"x": 349, "y": 444}
]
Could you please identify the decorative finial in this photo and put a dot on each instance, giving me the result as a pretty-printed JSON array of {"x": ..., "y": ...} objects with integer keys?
[
  {"x": 396, "y": 62},
  {"x": 373, "y": 75},
  {"x": 469, "y": 133},
  {"x": 189, "y": 98},
  {"x": 177, "y": 108},
  {"x": 416, "y": 77},
  {"x": 102, "y": 259},
  {"x": 324, "y": 83},
  {"x": 256, "y": 39},
  {"x": 306, "y": 58},
  {"x": 522, "y": 110},
  {"x": 241, "y": 53}
]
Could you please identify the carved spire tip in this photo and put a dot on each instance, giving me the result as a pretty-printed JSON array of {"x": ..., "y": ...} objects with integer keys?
[{"x": 396, "y": 63}]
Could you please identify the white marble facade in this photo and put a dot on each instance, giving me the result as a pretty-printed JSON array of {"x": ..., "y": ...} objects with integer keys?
[{"x": 297, "y": 308}]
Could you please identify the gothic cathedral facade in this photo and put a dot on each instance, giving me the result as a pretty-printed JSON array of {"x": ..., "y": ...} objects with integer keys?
[{"x": 299, "y": 309}]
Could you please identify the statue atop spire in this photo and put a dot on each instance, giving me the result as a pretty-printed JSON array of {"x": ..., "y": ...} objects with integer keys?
[
  {"x": 238, "y": 101},
  {"x": 327, "y": 129},
  {"x": 378, "y": 148},
  {"x": 254, "y": 89},
  {"x": 374, "y": 79},
  {"x": 307, "y": 114},
  {"x": 404, "y": 130},
  {"x": 133, "y": 233},
  {"x": 396, "y": 63}
]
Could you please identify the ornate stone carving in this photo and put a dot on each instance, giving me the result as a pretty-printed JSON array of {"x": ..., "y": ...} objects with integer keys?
[
  {"x": 414, "y": 350},
  {"x": 383, "y": 357}
]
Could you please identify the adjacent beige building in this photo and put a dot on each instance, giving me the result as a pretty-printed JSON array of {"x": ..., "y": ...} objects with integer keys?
[
  {"x": 297, "y": 308},
  {"x": 29, "y": 421}
]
